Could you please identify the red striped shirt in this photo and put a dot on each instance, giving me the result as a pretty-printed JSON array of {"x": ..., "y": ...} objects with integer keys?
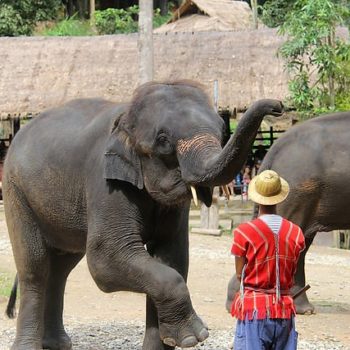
[{"x": 255, "y": 241}]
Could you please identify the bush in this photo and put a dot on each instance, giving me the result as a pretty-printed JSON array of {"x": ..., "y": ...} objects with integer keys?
[
  {"x": 116, "y": 21},
  {"x": 19, "y": 17},
  {"x": 11, "y": 22}
]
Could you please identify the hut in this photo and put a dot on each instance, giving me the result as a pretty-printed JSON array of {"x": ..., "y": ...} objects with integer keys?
[{"x": 209, "y": 15}]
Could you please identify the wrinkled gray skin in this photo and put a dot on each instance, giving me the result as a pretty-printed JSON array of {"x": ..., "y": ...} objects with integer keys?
[
  {"x": 103, "y": 179},
  {"x": 313, "y": 157}
]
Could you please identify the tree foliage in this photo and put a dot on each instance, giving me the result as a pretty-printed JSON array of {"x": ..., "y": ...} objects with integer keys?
[
  {"x": 274, "y": 12},
  {"x": 18, "y": 17},
  {"x": 115, "y": 21},
  {"x": 314, "y": 55}
]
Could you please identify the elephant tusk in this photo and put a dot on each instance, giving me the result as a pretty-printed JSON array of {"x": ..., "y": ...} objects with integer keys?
[
  {"x": 226, "y": 191},
  {"x": 194, "y": 195}
]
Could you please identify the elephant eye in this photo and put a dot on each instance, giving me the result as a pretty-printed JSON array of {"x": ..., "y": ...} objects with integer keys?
[
  {"x": 163, "y": 144},
  {"x": 162, "y": 139}
]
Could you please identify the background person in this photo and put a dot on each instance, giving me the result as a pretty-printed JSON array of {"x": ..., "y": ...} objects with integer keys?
[{"x": 266, "y": 253}]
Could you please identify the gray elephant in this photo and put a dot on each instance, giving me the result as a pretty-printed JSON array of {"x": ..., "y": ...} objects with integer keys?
[
  {"x": 313, "y": 157},
  {"x": 113, "y": 181}
]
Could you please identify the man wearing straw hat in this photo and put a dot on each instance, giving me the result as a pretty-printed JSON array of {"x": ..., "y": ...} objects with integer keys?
[{"x": 266, "y": 254}]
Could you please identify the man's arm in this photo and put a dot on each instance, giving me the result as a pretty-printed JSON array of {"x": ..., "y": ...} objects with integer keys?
[{"x": 239, "y": 263}]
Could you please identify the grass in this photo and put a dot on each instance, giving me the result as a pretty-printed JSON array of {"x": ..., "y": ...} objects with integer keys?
[
  {"x": 74, "y": 26},
  {"x": 233, "y": 125},
  {"x": 6, "y": 282},
  {"x": 69, "y": 27}
]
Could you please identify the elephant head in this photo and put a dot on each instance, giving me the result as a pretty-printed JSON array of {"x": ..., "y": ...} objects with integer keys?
[{"x": 170, "y": 139}]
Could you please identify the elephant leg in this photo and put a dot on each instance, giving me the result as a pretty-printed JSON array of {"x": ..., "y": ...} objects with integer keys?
[
  {"x": 178, "y": 322},
  {"x": 170, "y": 253},
  {"x": 302, "y": 303},
  {"x": 55, "y": 336},
  {"x": 32, "y": 262},
  {"x": 232, "y": 289},
  {"x": 119, "y": 261},
  {"x": 152, "y": 338}
]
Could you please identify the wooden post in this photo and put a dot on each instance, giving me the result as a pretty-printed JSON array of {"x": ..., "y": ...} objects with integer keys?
[
  {"x": 254, "y": 5},
  {"x": 92, "y": 12},
  {"x": 210, "y": 216},
  {"x": 145, "y": 42},
  {"x": 271, "y": 135},
  {"x": 16, "y": 125}
]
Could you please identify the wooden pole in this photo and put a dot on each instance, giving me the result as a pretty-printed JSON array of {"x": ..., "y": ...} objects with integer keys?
[
  {"x": 254, "y": 5},
  {"x": 92, "y": 11},
  {"x": 210, "y": 216},
  {"x": 145, "y": 42}
]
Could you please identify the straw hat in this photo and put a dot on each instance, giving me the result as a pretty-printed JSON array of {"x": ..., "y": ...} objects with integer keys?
[{"x": 268, "y": 188}]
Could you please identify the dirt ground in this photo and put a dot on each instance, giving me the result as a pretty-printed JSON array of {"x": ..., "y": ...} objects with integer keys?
[{"x": 328, "y": 273}]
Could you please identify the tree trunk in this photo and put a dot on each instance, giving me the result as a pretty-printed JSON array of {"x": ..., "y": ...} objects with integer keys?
[
  {"x": 70, "y": 8},
  {"x": 145, "y": 42},
  {"x": 164, "y": 7}
]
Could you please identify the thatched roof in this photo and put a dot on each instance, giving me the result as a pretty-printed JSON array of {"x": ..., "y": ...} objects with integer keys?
[
  {"x": 209, "y": 15},
  {"x": 37, "y": 73}
]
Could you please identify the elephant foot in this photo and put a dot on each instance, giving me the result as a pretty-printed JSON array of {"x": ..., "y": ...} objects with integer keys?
[
  {"x": 152, "y": 341},
  {"x": 304, "y": 308},
  {"x": 302, "y": 304},
  {"x": 25, "y": 345},
  {"x": 57, "y": 342},
  {"x": 186, "y": 334}
]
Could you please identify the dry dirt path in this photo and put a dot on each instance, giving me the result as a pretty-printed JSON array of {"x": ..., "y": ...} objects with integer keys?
[{"x": 100, "y": 321}]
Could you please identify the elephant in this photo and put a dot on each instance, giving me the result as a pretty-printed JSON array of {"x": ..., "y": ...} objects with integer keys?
[
  {"x": 114, "y": 182},
  {"x": 313, "y": 158}
]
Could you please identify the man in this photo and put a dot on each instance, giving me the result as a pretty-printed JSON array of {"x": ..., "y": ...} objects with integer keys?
[{"x": 266, "y": 254}]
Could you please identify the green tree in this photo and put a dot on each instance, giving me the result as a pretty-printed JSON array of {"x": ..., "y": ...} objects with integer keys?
[
  {"x": 314, "y": 55},
  {"x": 274, "y": 12},
  {"x": 18, "y": 17}
]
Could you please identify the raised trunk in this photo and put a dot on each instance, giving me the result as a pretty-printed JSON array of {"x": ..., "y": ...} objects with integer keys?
[{"x": 207, "y": 164}]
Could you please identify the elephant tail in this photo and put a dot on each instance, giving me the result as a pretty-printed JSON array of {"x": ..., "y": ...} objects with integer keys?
[{"x": 11, "y": 306}]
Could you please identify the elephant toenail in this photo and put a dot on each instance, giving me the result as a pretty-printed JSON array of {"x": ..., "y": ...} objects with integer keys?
[
  {"x": 308, "y": 312},
  {"x": 169, "y": 341},
  {"x": 204, "y": 323},
  {"x": 189, "y": 341},
  {"x": 204, "y": 334}
]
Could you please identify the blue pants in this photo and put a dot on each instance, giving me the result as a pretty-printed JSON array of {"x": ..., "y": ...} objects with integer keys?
[{"x": 266, "y": 334}]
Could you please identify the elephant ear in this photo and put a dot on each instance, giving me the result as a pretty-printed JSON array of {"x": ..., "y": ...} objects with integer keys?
[{"x": 121, "y": 160}]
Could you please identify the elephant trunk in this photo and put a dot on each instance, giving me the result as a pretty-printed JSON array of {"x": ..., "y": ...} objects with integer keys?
[{"x": 204, "y": 163}]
